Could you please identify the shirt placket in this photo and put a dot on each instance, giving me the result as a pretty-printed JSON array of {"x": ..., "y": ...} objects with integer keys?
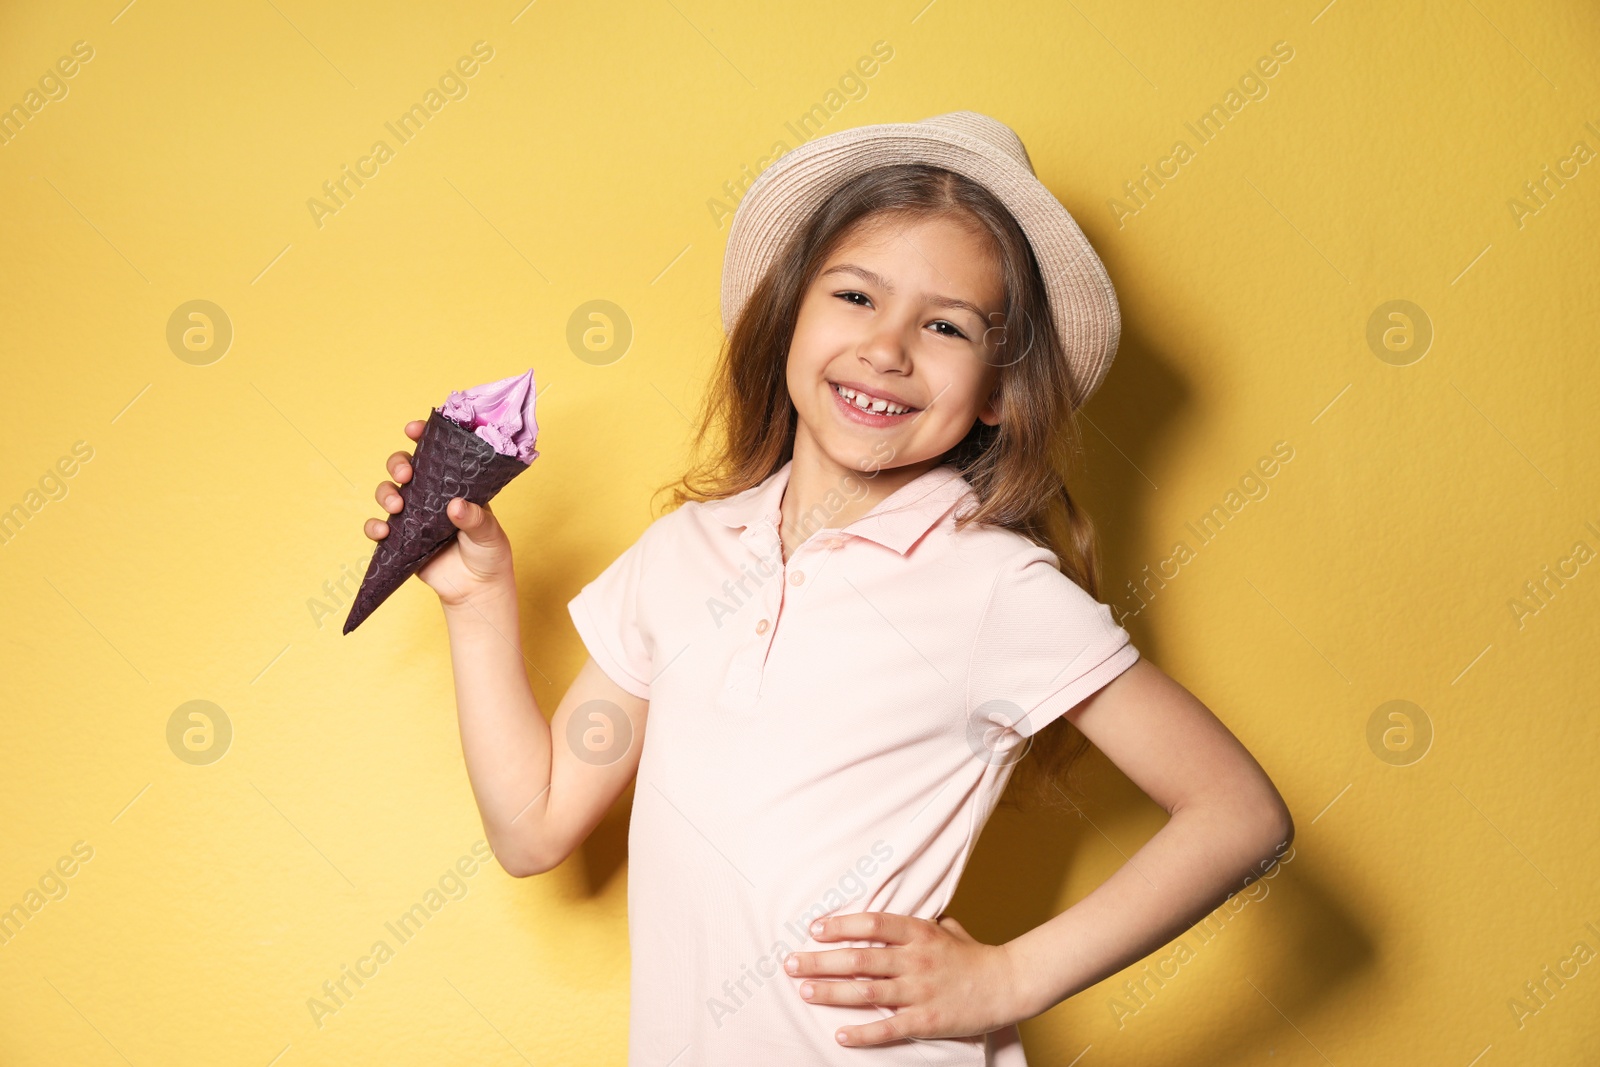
[
  {"x": 756, "y": 620},
  {"x": 759, "y": 627}
]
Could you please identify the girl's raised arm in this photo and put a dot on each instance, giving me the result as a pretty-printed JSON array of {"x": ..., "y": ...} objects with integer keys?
[{"x": 540, "y": 787}]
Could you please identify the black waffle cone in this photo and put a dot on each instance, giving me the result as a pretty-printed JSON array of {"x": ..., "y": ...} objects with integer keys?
[{"x": 449, "y": 461}]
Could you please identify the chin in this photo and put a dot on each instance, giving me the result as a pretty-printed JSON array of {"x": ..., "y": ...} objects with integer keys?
[{"x": 870, "y": 459}]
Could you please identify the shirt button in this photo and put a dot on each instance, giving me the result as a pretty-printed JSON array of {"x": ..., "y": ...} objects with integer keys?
[
  {"x": 797, "y": 577},
  {"x": 761, "y": 627}
]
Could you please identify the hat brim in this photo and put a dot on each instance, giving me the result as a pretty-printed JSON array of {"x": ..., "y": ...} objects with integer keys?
[{"x": 1083, "y": 303}]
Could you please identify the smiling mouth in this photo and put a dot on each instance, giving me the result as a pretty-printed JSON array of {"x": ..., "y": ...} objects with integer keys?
[{"x": 868, "y": 404}]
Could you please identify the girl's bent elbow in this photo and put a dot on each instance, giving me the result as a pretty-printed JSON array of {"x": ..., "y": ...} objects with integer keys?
[
  {"x": 522, "y": 869},
  {"x": 523, "y": 864},
  {"x": 1282, "y": 821},
  {"x": 1263, "y": 826},
  {"x": 1267, "y": 811},
  {"x": 515, "y": 868},
  {"x": 1280, "y": 829}
]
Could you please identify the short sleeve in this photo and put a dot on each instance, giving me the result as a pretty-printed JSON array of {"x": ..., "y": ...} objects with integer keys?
[
  {"x": 607, "y": 615},
  {"x": 1044, "y": 645}
]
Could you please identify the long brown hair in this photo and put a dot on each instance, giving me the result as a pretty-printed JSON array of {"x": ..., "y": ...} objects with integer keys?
[{"x": 1017, "y": 469}]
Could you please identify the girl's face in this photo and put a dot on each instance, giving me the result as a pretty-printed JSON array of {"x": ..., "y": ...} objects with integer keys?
[{"x": 905, "y": 312}]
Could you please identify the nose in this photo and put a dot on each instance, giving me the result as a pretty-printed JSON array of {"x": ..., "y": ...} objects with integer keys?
[{"x": 884, "y": 349}]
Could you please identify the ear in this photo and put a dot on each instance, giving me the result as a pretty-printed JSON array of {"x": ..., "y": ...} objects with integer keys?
[{"x": 989, "y": 414}]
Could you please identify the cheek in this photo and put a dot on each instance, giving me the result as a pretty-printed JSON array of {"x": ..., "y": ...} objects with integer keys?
[
  {"x": 816, "y": 328},
  {"x": 803, "y": 361},
  {"x": 817, "y": 340},
  {"x": 963, "y": 385}
]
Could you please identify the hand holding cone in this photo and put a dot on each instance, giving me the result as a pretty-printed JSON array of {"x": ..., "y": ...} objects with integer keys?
[{"x": 451, "y": 460}]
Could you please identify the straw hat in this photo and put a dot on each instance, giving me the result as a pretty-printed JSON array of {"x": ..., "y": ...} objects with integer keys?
[{"x": 1083, "y": 304}]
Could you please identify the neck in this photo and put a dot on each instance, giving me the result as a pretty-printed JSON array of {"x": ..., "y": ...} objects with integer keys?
[{"x": 824, "y": 494}]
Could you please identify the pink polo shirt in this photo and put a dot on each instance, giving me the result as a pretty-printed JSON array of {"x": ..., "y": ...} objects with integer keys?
[{"x": 827, "y": 735}]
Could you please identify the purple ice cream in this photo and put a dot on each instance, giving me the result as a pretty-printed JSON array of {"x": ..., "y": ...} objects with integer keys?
[{"x": 501, "y": 413}]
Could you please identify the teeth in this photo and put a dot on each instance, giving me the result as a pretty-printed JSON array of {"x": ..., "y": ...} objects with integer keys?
[{"x": 873, "y": 404}]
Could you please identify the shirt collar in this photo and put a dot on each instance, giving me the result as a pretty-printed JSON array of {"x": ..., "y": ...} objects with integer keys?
[{"x": 897, "y": 521}]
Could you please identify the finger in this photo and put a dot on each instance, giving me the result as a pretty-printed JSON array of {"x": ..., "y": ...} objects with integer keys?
[
  {"x": 376, "y": 529},
  {"x": 897, "y": 1027},
  {"x": 884, "y": 993},
  {"x": 866, "y": 926},
  {"x": 475, "y": 521},
  {"x": 414, "y": 428},
  {"x": 399, "y": 465},
  {"x": 388, "y": 496},
  {"x": 847, "y": 962}
]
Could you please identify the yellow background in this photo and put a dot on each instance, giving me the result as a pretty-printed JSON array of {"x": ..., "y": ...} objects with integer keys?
[{"x": 1382, "y": 565}]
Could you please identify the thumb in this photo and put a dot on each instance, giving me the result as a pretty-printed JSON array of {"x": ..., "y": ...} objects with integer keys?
[
  {"x": 475, "y": 521},
  {"x": 956, "y": 928}
]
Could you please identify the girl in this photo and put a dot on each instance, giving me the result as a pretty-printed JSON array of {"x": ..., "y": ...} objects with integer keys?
[{"x": 873, "y": 598}]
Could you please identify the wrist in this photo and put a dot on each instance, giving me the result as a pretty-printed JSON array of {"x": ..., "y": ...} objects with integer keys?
[
  {"x": 1028, "y": 995},
  {"x": 488, "y": 597}
]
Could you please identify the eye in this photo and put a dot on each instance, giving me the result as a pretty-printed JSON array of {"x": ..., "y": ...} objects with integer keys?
[{"x": 847, "y": 294}]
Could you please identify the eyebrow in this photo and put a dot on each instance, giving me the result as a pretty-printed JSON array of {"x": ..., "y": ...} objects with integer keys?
[{"x": 883, "y": 283}]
